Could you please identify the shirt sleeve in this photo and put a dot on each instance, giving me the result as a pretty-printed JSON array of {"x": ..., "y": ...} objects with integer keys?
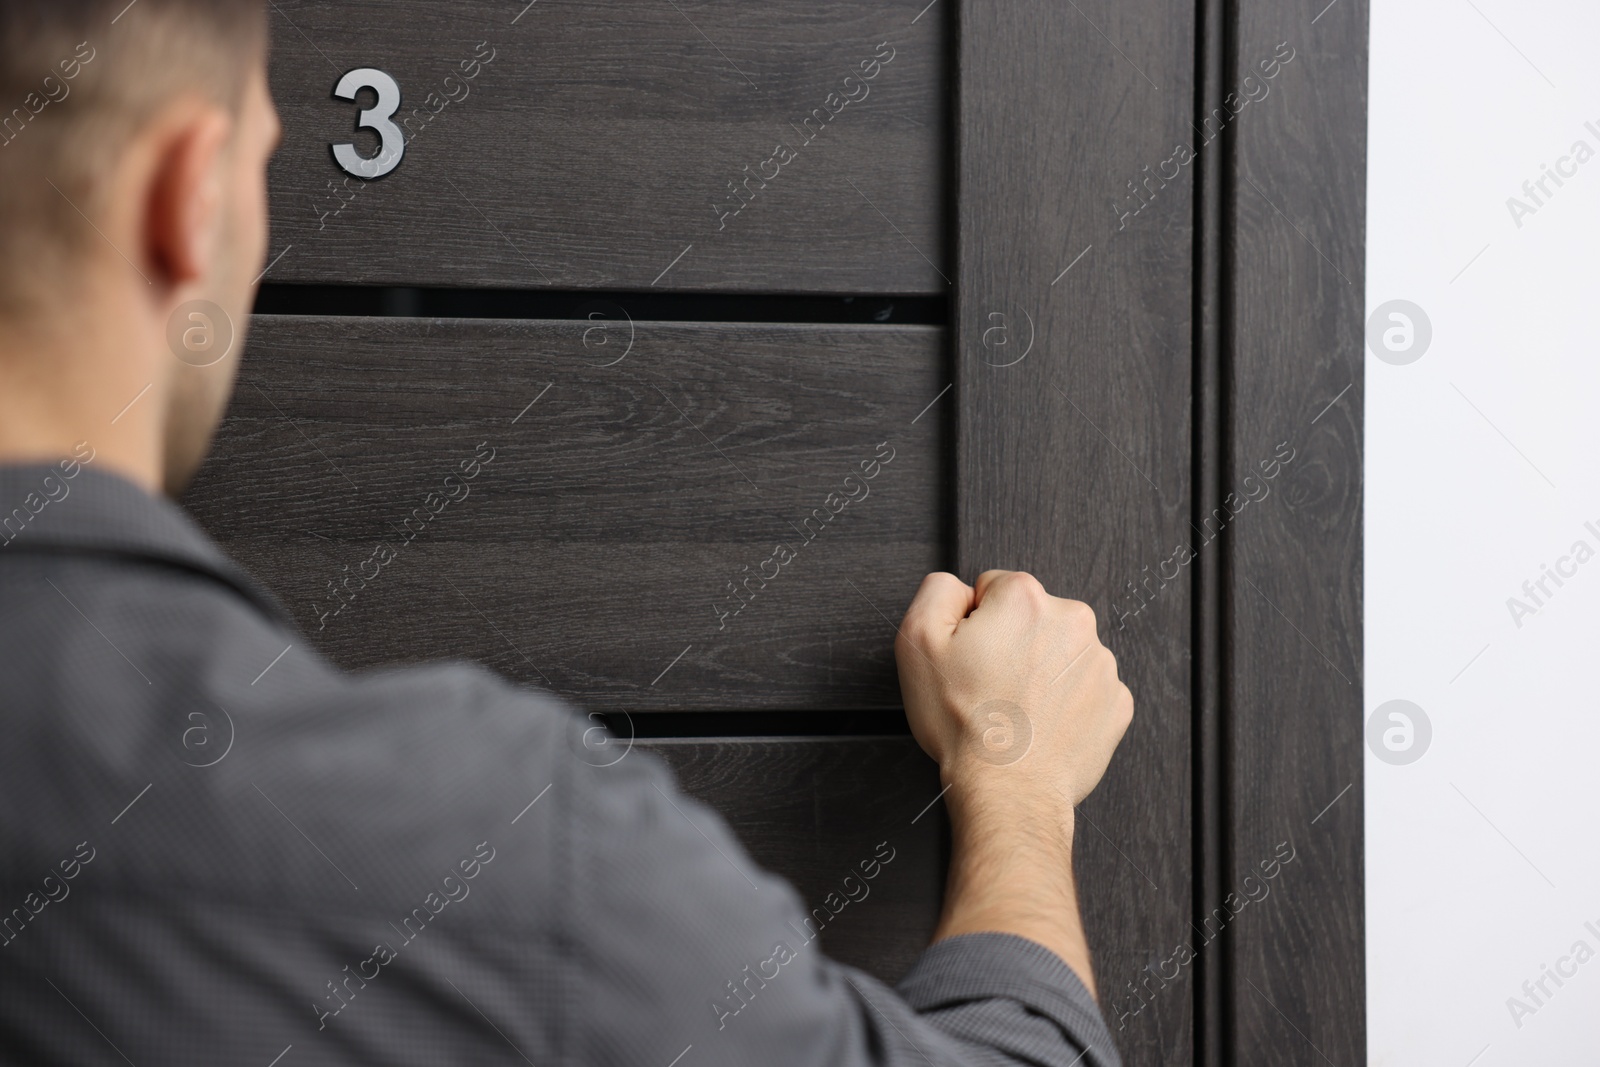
[
  {"x": 1011, "y": 994},
  {"x": 686, "y": 953}
]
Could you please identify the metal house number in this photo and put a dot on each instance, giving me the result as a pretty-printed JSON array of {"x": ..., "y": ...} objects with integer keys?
[{"x": 379, "y": 117}]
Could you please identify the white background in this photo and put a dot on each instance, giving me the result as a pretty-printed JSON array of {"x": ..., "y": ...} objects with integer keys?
[{"x": 1464, "y": 904}]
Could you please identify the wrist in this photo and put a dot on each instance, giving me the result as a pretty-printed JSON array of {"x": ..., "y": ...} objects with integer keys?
[
  {"x": 993, "y": 807},
  {"x": 1011, "y": 866}
]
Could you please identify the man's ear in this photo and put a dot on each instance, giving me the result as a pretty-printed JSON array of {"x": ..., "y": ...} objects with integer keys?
[{"x": 184, "y": 220}]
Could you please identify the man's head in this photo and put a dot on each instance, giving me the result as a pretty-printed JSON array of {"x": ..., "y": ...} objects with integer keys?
[{"x": 133, "y": 145}]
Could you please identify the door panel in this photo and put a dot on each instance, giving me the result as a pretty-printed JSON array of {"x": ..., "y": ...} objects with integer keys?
[
  {"x": 1295, "y": 628},
  {"x": 1074, "y": 455},
  {"x": 747, "y": 504},
  {"x": 814, "y": 810},
  {"x": 590, "y": 145}
]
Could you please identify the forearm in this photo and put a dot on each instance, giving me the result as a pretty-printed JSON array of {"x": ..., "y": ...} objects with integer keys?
[{"x": 1011, "y": 872}]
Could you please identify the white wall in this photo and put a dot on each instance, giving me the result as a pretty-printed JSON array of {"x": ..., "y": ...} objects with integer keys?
[{"x": 1483, "y": 855}]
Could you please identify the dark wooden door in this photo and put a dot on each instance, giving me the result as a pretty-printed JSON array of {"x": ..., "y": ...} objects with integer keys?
[{"x": 686, "y": 335}]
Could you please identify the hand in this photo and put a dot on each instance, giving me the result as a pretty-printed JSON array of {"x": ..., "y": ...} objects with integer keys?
[{"x": 1008, "y": 687}]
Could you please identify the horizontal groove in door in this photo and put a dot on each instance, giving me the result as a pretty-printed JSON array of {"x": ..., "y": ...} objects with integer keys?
[
  {"x": 612, "y": 145},
  {"x": 700, "y": 725},
  {"x": 601, "y": 306},
  {"x": 596, "y": 552}
]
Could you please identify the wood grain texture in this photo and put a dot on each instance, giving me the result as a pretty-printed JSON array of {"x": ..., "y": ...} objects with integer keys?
[
  {"x": 1073, "y": 456},
  {"x": 590, "y": 150},
  {"x": 1295, "y": 625},
  {"x": 813, "y": 809},
  {"x": 600, "y": 540}
]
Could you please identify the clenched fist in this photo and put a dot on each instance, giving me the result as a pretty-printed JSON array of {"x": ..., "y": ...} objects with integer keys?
[{"x": 1009, "y": 687}]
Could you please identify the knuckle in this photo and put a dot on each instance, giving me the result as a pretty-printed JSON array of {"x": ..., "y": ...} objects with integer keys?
[
  {"x": 917, "y": 630},
  {"x": 1031, "y": 587},
  {"x": 913, "y": 632},
  {"x": 1080, "y": 616},
  {"x": 1024, "y": 590}
]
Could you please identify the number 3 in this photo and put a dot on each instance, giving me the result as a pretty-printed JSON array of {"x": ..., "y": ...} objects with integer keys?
[{"x": 378, "y": 118}]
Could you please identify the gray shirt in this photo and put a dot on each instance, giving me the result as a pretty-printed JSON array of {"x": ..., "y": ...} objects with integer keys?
[{"x": 216, "y": 847}]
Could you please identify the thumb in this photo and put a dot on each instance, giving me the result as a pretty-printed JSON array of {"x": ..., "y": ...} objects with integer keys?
[
  {"x": 942, "y": 601},
  {"x": 986, "y": 581}
]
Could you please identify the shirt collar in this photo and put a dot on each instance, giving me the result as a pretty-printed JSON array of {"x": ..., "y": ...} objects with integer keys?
[{"x": 45, "y": 510}]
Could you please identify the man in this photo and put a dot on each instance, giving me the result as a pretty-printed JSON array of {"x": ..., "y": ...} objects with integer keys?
[{"x": 160, "y": 903}]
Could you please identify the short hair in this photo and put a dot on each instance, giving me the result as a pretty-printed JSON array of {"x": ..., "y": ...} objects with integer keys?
[{"x": 77, "y": 79}]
